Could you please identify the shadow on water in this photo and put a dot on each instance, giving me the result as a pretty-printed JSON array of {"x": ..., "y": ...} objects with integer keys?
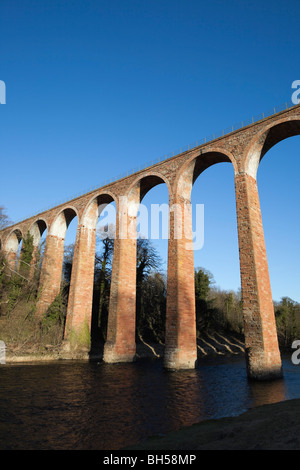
[{"x": 82, "y": 405}]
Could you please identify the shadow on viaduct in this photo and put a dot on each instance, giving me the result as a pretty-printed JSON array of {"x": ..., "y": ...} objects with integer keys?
[{"x": 243, "y": 149}]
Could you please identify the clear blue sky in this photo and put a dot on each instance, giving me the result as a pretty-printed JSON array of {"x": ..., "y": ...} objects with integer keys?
[{"x": 95, "y": 88}]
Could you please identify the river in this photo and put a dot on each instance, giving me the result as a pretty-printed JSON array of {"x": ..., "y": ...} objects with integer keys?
[{"x": 92, "y": 405}]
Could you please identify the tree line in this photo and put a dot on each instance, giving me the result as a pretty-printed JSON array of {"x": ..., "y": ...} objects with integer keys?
[{"x": 216, "y": 309}]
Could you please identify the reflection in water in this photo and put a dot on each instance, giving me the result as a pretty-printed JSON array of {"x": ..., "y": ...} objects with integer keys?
[
  {"x": 267, "y": 393},
  {"x": 84, "y": 405}
]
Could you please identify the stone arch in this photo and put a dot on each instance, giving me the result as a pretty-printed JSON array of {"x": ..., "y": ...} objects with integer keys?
[
  {"x": 196, "y": 165},
  {"x": 274, "y": 140},
  {"x": 141, "y": 186},
  {"x": 12, "y": 245},
  {"x": 37, "y": 229},
  {"x": 181, "y": 343},
  {"x": 138, "y": 190},
  {"x": 101, "y": 204},
  {"x": 149, "y": 219},
  {"x": 94, "y": 208},
  {"x": 61, "y": 222},
  {"x": 269, "y": 136},
  {"x": 262, "y": 350},
  {"x": 145, "y": 182},
  {"x": 80, "y": 318},
  {"x": 120, "y": 345},
  {"x": 13, "y": 240},
  {"x": 52, "y": 264}
]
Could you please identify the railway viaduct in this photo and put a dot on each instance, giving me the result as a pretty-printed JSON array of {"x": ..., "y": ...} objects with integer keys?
[{"x": 243, "y": 148}]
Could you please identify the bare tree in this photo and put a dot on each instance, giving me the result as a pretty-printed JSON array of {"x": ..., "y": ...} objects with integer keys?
[
  {"x": 4, "y": 219},
  {"x": 106, "y": 236}
]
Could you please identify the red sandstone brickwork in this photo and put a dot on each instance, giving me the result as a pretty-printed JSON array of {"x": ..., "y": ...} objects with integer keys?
[
  {"x": 180, "y": 340},
  {"x": 79, "y": 311},
  {"x": 120, "y": 345},
  {"x": 50, "y": 280},
  {"x": 260, "y": 329},
  {"x": 243, "y": 149},
  {"x": 34, "y": 261}
]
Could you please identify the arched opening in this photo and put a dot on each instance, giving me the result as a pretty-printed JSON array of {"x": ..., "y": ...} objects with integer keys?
[
  {"x": 100, "y": 217},
  {"x": 278, "y": 185},
  {"x": 121, "y": 332},
  {"x": 216, "y": 257},
  {"x": 83, "y": 325},
  {"x": 267, "y": 139},
  {"x": 13, "y": 248},
  {"x": 62, "y": 221},
  {"x": 152, "y": 263},
  {"x": 18, "y": 256},
  {"x": 38, "y": 231},
  {"x": 64, "y": 228},
  {"x": 261, "y": 334},
  {"x": 69, "y": 247},
  {"x": 55, "y": 276},
  {"x": 207, "y": 183}
]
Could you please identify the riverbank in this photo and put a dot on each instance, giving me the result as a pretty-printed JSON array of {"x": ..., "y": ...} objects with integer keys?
[{"x": 268, "y": 427}]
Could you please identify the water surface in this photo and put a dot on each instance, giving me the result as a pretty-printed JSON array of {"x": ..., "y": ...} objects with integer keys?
[{"x": 82, "y": 405}]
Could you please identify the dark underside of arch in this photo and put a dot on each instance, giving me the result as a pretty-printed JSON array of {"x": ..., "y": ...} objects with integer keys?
[
  {"x": 104, "y": 199},
  {"x": 148, "y": 183},
  {"x": 18, "y": 234},
  {"x": 42, "y": 226},
  {"x": 206, "y": 160},
  {"x": 280, "y": 132},
  {"x": 69, "y": 214}
]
